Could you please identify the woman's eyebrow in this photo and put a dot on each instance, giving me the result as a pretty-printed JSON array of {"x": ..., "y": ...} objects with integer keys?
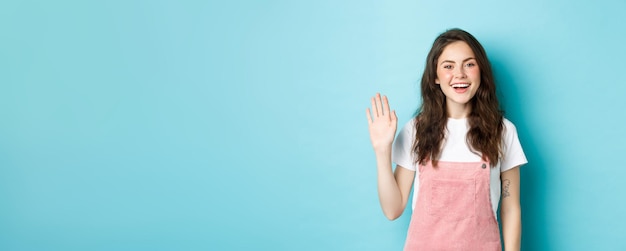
[
  {"x": 452, "y": 61},
  {"x": 468, "y": 59}
]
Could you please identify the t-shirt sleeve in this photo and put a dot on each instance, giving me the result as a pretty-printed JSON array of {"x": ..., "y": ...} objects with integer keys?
[
  {"x": 401, "y": 152},
  {"x": 513, "y": 154}
]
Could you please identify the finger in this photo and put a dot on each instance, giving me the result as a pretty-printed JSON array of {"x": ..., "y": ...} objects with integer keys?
[
  {"x": 379, "y": 105},
  {"x": 374, "y": 110},
  {"x": 385, "y": 105},
  {"x": 369, "y": 117},
  {"x": 394, "y": 118}
]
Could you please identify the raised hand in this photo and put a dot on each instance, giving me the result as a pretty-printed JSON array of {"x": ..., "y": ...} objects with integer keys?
[{"x": 382, "y": 124}]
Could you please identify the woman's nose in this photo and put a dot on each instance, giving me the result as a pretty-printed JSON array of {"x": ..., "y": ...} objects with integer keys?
[{"x": 459, "y": 72}]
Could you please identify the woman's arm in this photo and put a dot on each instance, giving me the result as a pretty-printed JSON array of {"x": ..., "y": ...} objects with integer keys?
[
  {"x": 510, "y": 209},
  {"x": 393, "y": 189}
]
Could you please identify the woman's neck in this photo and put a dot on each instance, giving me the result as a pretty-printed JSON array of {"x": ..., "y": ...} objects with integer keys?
[{"x": 458, "y": 111}]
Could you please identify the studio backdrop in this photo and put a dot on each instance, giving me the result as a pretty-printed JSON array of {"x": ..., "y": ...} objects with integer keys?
[{"x": 240, "y": 125}]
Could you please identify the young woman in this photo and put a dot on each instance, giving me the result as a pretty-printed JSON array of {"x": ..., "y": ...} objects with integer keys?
[{"x": 459, "y": 154}]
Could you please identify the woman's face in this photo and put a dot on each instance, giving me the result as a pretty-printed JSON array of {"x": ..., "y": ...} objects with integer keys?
[{"x": 458, "y": 73}]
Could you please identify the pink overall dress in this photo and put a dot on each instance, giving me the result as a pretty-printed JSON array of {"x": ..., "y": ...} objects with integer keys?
[{"x": 453, "y": 209}]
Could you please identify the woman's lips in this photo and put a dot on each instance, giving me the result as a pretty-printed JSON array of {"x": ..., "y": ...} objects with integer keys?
[{"x": 460, "y": 87}]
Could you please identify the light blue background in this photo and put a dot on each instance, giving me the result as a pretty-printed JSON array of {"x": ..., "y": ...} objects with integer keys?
[{"x": 240, "y": 125}]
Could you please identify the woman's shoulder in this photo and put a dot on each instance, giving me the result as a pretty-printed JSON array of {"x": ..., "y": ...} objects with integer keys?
[
  {"x": 408, "y": 129},
  {"x": 509, "y": 127},
  {"x": 409, "y": 126},
  {"x": 507, "y": 122}
]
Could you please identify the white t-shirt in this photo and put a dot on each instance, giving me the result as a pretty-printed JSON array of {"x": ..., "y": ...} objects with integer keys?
[{"x": 455, "y": 149}]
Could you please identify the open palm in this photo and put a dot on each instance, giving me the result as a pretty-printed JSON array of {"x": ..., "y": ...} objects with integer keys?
[{"x": 382, "y": 123}]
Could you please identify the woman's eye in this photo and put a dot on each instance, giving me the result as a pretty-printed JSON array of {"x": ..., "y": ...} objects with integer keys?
[
  {"x": 470, "y": 64},
  {"x": 447, "y": 66}
]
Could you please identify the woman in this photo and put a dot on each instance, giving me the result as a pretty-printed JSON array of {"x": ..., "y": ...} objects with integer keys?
[{"x": 459, "y": 153}]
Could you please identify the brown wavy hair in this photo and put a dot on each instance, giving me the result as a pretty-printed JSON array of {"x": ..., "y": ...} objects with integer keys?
[{"x": 485, "y": 119}]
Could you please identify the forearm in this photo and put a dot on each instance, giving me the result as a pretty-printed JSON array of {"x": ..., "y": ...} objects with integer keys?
[
  {"x": 389, "y": 193},
  {"x": 511, "y": 228}
]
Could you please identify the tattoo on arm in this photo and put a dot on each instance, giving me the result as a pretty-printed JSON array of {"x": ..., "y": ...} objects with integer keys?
[{"x": 505, "y": 188}]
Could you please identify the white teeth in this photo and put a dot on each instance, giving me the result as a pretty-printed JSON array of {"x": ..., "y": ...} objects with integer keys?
[{"x": 460, "y": 85}]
